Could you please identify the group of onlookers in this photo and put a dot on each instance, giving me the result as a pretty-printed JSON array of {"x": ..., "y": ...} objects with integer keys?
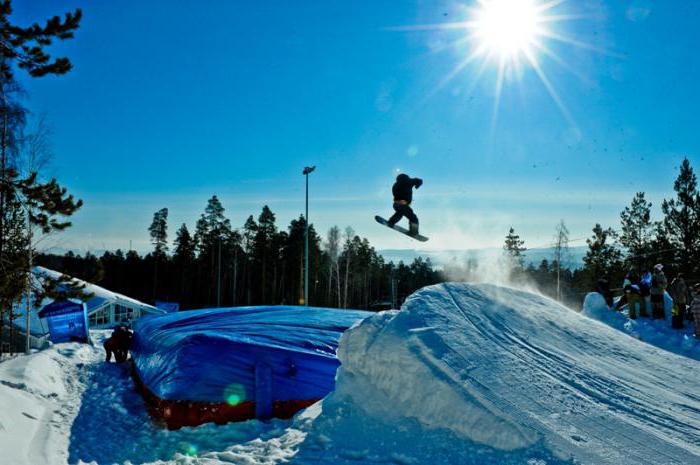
[{"x": 644, "y": 296}]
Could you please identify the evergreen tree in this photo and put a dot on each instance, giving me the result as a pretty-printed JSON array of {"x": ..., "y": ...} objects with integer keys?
[
  {"x": 159, "y": 239},
  {"x": 561, "y": 251},
  {"x": 250, "y": 230},
  {"x": 514, "y": 248},
  {"x": 293, "y": 257},
  {"x": 42, "y": 203},
  {"x": 25, "y": 47},
  {"x": 159, "y": 232},
  {"x": 184, "y": 263},
  {"x": 682, "y": 219},
  {"x": 637, "y": 232},
  {"x": 662, "y": 250},
  {"x": 212, "y": 227},
  {"x": 264, "y": 255},
  {"x": 603, "y": 259},
  {"x": 215, "y": 242},
  {"x": 185, "y": 246}
]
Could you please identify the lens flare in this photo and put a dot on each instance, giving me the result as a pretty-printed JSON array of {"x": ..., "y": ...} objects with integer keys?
[
  {"x": 188, "y": 449},
  {"x": 234, "y": 394}
]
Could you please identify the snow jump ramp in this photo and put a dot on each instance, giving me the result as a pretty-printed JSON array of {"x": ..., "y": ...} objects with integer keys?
[{"x": 506, "y": 370}]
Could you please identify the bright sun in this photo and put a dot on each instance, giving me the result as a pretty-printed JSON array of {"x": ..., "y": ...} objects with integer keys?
[
  {"x": 507, "y": 28},
  {"x": 512, "y": 36}
]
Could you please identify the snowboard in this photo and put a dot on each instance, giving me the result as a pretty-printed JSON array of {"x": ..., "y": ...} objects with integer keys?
[{"x": 417, "y": 237}]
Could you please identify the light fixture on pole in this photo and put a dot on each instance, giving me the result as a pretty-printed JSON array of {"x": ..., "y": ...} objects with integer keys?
[{"x": 307, "y": 170}]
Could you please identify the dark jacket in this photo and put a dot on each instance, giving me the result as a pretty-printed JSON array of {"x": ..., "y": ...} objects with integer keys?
[
  {"x": 403, "y": 188},
  {"x": 603, "y": 288}
]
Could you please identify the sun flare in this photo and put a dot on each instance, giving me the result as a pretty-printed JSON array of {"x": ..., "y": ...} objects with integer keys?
[
  {"x": 507, "y": 28},
  {"x": 510, "y": 38}
]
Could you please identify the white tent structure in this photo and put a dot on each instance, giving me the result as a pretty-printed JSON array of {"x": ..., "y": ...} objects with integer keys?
[{"x": 106, "y": 309}]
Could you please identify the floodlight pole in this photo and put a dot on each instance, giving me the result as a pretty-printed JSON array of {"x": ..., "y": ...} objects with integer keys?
[
  {"x": 307, "y": 170},
  {"x": 28, "y": 309},
  {"x": 218, "y": 275}
]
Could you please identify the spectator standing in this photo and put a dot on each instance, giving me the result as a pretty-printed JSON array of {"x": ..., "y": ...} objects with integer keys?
[
  {"x": 645, "y": 292},
  {"x": 679, "y": 292},
  {"x": 657, "y": 291},
  {"x": 633, "y": 299},
  {"x": 695, "y": 309},
  {"x": 603, "y": 288}
]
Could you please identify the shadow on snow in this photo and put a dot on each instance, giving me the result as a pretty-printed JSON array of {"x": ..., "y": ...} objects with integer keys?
[{"x": 113, "y": 425}]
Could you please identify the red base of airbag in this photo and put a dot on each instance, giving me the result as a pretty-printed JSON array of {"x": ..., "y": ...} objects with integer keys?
[{"x": 175, "y": 414}]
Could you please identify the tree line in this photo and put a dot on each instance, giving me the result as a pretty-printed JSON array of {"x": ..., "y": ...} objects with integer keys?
[
  {"x": 635, "y": 246},
  {"x": 217, "y": 265},
  {"x": 256, "y": 264}
]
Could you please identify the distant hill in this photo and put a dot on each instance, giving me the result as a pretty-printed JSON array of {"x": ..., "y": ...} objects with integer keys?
[{"x": 442, "y": 257}]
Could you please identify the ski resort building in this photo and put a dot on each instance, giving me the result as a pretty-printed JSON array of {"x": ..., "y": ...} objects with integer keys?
[{"x": 105, "y": 308}]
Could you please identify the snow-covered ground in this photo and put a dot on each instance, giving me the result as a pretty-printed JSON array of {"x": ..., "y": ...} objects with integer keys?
[
  {"x": 464, "y": 374},
  {"x": 656, "y": 332}
]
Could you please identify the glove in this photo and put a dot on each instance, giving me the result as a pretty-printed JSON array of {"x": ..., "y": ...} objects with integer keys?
[{"x": 418, "y": 182}]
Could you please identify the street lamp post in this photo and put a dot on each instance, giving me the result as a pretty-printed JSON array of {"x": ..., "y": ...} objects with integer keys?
[{"x": 307, "y": 170}]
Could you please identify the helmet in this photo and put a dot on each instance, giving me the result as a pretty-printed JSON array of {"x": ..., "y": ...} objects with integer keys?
[{"x": 658, "y": 267}]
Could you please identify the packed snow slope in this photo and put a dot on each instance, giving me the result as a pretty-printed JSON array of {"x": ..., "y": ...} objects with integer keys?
[
  {"x": 486, "y": 374},
  {"x": 655, "y": 332},
  {"x": 463, "y": 374}
]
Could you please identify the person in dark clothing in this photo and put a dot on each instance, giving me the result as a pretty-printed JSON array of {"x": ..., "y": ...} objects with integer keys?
[
  {"x": 657, "y": 291},
  {"x": 403, "y": 196},
  {"x": 603, "y": 288},
  {"x": 645, "y": 291},
  {"x": 118, "y": 344},
  {"x": 679, "y": 293},
  {"x": 633, "y": 299}
]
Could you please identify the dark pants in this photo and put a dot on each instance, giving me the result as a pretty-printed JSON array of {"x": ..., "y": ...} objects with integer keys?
[
  {"x": 401, "y": 211},
  {"x": 678, "y": 316},
  {"x": 657, "y": 307},
  {"x": 120, "y": 353}
]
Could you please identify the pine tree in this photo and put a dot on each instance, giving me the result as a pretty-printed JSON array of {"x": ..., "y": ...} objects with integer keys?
[
  {"x": 264, "y": 255},
  {"x": 250, "y": 230},
  {"x": 514, "y": 248},
  {"x": 43, "y": 203},
  {"x": 214, "y": 238},
  {"x": 682, "y": 219},
  {"x": 159, "y": 233},
  {"x": 663, "y": 250},
  {"x": 25, "y": 47},
  {"x": 603, "y": 259},
  {"x": 561, "y": 251},
  {"x": 637, "y": 232},
  {"x": 185, "y": 246},
  {"x": 159, "y": 239},
  {"x": 184, "y": 263}
]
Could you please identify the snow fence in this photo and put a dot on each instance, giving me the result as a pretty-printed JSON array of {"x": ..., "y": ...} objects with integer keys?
[
  {"x": 480, "y": 374},
  {"x": 238, "y": 363}
]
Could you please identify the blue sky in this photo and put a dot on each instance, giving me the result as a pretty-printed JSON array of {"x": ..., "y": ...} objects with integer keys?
[{"x": 171, "y": 102}]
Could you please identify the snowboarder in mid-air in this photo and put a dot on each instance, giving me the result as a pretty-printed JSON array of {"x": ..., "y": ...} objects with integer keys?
[{"x": 403, "y": 196}]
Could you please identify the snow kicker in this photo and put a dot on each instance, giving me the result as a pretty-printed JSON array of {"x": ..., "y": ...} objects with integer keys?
[{"x": 496, "y": 375}]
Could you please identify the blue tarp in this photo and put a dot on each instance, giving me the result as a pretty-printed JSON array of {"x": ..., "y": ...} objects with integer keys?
[
  {"x": 213, "y": 355},
  {"x": 67, "y": 321},
  {"x": 168, "y": 307}
]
